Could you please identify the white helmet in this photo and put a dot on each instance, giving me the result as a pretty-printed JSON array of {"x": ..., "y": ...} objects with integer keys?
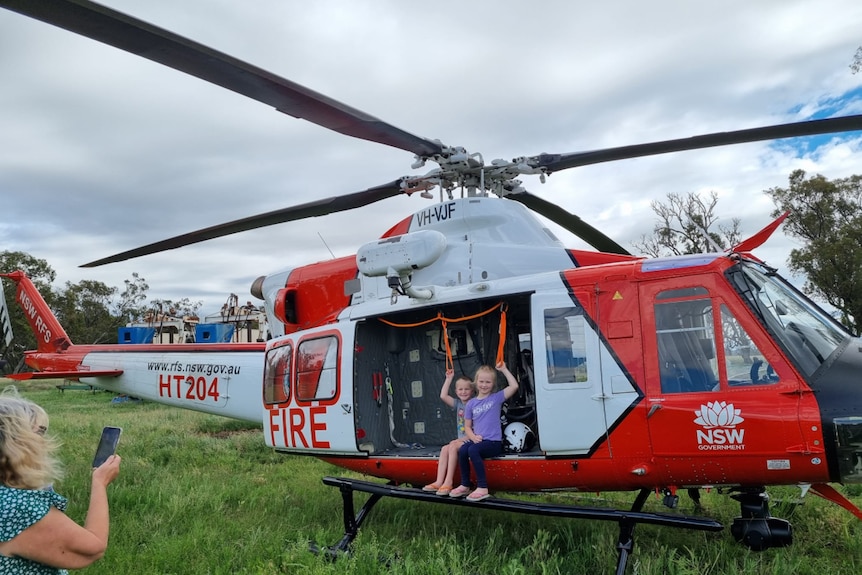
[{"x": 518, "y": 437}]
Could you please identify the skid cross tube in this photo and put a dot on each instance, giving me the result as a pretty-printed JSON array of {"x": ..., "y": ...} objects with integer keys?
[{"x": 626, "y": 519}]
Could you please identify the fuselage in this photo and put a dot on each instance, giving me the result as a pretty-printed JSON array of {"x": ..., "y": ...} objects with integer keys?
[
  {"x": 644, "y": 373},
  {"x": 688, "y": 371}
]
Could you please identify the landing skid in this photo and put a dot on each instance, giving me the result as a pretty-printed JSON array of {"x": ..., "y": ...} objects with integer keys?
[{"x": 626, "y": 519}]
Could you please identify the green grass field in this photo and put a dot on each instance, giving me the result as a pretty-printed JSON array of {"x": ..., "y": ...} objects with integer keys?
[{"x": 200, "y": 494}]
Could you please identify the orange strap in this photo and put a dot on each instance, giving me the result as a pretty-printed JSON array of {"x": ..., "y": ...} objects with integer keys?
[
  {"x": 441, "y": 317},
  {"x": 502, "y": 341},
  {"x": 450, "y": 363}
]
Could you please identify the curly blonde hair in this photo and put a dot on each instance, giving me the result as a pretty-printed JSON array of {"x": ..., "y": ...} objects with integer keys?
[{"x": 26, "y": 454}]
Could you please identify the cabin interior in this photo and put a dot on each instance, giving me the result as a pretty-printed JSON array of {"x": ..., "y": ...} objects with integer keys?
[{"x": 401, "y": 365}]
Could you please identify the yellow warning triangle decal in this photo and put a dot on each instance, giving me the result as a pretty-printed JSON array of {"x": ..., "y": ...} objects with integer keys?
[{"x": 618, "y": 295}]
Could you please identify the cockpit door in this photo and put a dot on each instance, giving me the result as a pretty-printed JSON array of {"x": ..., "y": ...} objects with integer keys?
[{"x": 718, "y": 390}]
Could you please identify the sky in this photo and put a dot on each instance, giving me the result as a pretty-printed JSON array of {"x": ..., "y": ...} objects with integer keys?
[{"x": 102, "y": 151}]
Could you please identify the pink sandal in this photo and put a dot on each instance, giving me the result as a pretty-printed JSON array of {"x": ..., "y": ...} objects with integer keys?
[
  {"x": 479, "y": 494},
  {"x": 459, "y": 491}
]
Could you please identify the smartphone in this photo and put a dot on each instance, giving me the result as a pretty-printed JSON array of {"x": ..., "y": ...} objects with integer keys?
[{"x": 107, "y": 445}]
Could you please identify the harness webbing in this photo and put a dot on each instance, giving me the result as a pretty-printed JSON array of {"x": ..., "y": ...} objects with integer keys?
[{"x": 444, "y": 322}]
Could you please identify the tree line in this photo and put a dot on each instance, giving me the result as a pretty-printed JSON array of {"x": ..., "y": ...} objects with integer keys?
[{"x": 90, "y": 311}]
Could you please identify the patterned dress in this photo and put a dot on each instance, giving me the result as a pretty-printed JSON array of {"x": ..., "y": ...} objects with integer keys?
[{"x": 19, "y": 509}]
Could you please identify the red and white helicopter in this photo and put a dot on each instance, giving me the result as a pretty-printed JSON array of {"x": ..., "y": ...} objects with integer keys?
[{"x": 635, "y": 374}]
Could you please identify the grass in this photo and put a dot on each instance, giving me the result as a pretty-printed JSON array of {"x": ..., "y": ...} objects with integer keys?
[{"x": 200, "y": 494}]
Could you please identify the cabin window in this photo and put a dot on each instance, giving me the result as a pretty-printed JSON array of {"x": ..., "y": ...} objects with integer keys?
[
  {"x": 316, "y": 369},
  {"x": 566, "y": 345},
  {"x": 276, "y": 377},
  {"x": 686, "y": 342}
]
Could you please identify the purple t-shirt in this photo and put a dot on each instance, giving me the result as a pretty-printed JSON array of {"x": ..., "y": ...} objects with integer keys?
[{"x": 485, "y": 414}]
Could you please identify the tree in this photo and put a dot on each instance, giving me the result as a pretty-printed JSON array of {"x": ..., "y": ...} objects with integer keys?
[
  {"x": 827, "y": 217},
  {"x": 42, "y": 275},
  {"x": 91, "y": 312},
  {"x": 132, "y": 304},
  {"x": 84, "y": 311},
  {"x": 687, "y": 226},
  {"x": 856, "y": 65}
]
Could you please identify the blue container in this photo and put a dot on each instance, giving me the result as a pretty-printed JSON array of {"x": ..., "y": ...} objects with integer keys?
[
  {"x": 213, "y": 333},
  {"x": 136, "y": 334}
]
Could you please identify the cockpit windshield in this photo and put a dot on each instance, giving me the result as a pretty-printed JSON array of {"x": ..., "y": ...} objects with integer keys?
[{"x": 806, "y": 332}]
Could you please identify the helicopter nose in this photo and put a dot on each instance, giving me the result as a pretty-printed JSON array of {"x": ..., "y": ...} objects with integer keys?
[
  {"x": 838, "y": 389},
  {"x": 849, "y": 453}
]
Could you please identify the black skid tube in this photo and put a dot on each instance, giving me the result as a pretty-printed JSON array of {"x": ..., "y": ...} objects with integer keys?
[{"x": 626, "y": 519}]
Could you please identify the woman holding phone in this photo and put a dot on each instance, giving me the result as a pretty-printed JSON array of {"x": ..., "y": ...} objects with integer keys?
[{"x": 36, "y": 536}]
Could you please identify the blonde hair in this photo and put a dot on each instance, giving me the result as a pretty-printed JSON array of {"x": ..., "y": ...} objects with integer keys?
[
  {"x": 468, "y": 380},
  {"x": 486, "y": 368},
  {"x": 26, "y": 455}
]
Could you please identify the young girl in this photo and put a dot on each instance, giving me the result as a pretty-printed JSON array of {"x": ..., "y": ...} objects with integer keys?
[
  {"x": 464, "y": 391},
  {"x": 484, "y": 433}
]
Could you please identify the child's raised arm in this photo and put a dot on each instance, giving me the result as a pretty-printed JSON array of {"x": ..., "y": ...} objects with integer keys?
[
  {"x": 444, "y": 392},
  {"x": 512, "y": 386}
]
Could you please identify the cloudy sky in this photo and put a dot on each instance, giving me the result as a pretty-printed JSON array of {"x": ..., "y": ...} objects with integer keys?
[{"x": 101, "y": 151}]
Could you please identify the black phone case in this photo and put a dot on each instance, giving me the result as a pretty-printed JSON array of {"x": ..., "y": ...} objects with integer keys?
[{"x": 107, "y": 445}]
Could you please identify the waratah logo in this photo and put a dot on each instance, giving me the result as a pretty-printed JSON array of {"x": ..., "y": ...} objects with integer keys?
[
  {"x": 719, "y": 420},
  {"x": 718, "y": 414}
]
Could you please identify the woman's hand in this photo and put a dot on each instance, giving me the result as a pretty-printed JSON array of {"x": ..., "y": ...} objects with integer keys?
[{"x": 108, "y": 471}]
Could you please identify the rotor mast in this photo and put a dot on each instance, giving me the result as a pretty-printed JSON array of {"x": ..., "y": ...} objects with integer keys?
[{"x": 459, "y": 168}]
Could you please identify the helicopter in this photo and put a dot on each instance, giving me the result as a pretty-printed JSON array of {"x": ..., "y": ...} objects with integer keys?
[{"x": 644, "y": 375}]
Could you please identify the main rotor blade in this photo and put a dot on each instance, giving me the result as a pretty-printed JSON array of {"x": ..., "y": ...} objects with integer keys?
[
  {"x": 138, "y": 37},
  {"x": 556, "y": 162},
  {"x": 307, "y": 210},
  {"x": 569, "y": 221}
]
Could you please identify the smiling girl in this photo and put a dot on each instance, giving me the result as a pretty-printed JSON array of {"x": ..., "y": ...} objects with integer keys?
[{"x": 484, "y": 433}]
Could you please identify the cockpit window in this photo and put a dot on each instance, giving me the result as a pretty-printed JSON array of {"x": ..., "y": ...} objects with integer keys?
[
  {"x": 743, "y": 361},
  {"x": 806, "y": 333}
]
